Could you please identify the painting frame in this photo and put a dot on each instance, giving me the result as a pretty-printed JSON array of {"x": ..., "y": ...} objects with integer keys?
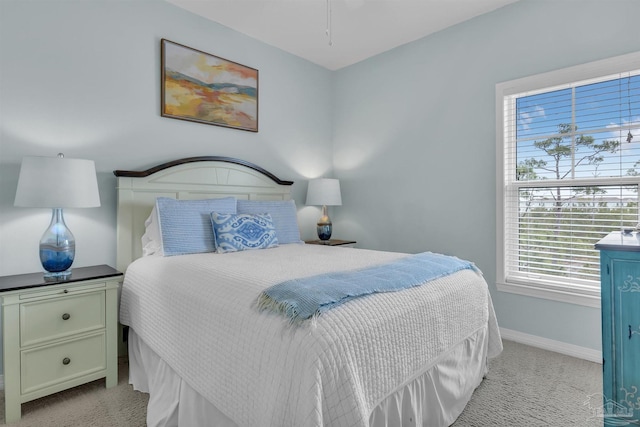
[{"x": 200, "y": 87}]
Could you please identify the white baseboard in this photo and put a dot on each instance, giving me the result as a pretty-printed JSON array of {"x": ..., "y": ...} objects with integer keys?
[{"x": 552, "y": 345}]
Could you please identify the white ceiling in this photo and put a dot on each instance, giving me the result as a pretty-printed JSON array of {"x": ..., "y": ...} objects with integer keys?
[{"x": 359, "y": 28}]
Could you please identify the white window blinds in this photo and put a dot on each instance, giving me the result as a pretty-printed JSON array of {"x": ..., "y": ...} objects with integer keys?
[{"x": 571, "y": 170}]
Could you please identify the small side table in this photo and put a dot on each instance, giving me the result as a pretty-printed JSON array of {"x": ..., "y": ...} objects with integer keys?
[
  {"x": 58, "y": 334},
  {"x": 333, "y": 242}
]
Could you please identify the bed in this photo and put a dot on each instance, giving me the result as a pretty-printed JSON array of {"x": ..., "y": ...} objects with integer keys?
[{"x": 207, "y": 355}]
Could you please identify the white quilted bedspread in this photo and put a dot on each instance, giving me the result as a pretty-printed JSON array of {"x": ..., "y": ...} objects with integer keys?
[{"x": 197, "y": 312}]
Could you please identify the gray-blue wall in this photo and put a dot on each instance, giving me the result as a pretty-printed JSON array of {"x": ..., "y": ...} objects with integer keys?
[
  {"x": 415, "y": 142},
  {"x": 83, "y": 78}
]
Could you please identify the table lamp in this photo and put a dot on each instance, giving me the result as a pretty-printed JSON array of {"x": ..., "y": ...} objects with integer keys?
[
  {"x": 57, "y": 183},
  {"x": 324, "y": 192}
]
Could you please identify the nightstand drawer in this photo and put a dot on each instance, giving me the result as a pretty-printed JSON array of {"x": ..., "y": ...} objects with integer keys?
[
  {"x": 47, "y": 320},
  {"x": 70, "y": 289},
  {"x": 52, "y": 364}
]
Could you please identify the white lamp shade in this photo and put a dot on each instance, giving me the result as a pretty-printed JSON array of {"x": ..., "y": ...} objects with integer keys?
[
  {"x": 57, "y": 182},
  {"x": 324, "y": 191}
]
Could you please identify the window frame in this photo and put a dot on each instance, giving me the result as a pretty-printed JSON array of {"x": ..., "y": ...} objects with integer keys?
[{"x": 581, "y": 295}]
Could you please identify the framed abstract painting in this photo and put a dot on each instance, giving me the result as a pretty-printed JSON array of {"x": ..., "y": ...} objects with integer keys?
[{"x": 204, "y": 88}]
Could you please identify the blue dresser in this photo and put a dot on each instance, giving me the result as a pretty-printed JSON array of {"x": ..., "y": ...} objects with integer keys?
[{"x": 620, "y": 281}]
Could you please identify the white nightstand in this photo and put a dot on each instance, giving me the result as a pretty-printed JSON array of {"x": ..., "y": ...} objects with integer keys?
[{"x": 58, "y": 334}]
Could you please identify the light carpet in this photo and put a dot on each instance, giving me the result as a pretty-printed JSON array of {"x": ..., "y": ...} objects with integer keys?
[
  {"x": 525, "y": 386},
  {"x": 530, "y": 387}
]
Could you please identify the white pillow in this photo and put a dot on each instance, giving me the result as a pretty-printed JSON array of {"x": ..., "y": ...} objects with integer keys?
[{"x": 151, "y": 240}]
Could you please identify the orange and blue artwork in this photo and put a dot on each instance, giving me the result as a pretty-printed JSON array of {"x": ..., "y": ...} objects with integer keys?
[{"x": 205, "y": 88}]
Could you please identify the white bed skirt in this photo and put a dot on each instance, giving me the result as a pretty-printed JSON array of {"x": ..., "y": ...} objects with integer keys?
[{"x": 434, "y": 398}]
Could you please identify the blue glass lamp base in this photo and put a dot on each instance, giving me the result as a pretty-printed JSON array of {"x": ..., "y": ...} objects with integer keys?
[
  {"x": 324, "y": 225},
  {"x": 324, "y": 231},
  {"x": 57, "y": 248},
  {"x": 63, "y": 275},
  {"x": 57, "y": 263}
]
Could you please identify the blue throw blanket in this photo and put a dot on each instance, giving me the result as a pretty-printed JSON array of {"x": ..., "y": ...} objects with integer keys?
[{"x": 301, "y": 299}]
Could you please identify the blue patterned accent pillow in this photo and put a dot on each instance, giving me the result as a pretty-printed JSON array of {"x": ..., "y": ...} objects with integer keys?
[
  {"x": 241, "y": 232},
  {"x": 283, "y": 213},
  {"x": 185, "y": 225}
]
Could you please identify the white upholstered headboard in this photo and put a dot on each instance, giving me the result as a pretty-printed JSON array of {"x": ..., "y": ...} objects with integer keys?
[{"x": 190, "y": 178}]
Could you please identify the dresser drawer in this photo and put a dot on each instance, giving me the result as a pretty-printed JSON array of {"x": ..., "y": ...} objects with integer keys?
[
  {"x": 56, "y": 363},
  {"x": 56, "y": 318}
]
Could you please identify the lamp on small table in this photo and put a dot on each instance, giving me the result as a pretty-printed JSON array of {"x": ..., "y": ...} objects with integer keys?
[
  {"x": 324, "y": 192},
  {"x": 57, "y": 183}
]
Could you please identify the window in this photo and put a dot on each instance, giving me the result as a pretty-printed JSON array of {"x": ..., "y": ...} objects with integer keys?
[{"x": 568, "y": 147}]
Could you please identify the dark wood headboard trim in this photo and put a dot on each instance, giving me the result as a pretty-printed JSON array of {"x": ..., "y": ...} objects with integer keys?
[{"x": 142, "y": 174}]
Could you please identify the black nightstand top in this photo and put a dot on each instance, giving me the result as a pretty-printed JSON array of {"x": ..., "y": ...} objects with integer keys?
[
  {"x": 33, "y": 280},
  {"x": 331, "y": 242}
]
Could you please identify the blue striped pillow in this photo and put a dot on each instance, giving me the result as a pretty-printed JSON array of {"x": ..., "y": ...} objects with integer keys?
[
  {"x": 283, "y": 213},
  {"x": 241, "y": 232},
  {"x": 185, "y": 225}
]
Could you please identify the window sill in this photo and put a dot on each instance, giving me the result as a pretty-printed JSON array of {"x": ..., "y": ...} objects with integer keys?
[{"x": 585, "y": 297}]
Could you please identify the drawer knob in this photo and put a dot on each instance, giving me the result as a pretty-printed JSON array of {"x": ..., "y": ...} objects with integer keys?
[
  {"x": 66, "y": 291},
  {"x": 66, "y": 316},
  {"x": 66, "y": 361}
]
